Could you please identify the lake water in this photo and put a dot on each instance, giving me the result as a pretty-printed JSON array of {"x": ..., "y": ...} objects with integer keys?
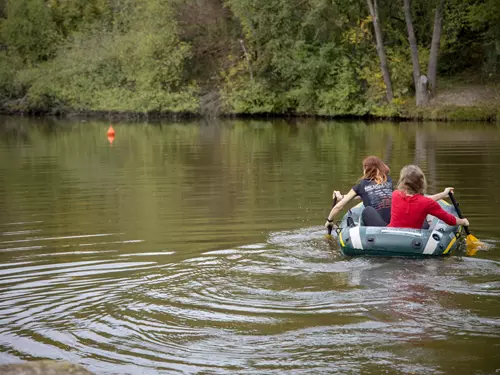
[{"x": 199, "y": 248}]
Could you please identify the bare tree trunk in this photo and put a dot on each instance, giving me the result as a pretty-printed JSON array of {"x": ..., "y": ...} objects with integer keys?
[
  {"x": 436, "y": 40},
  {"x": 384, "y": 67},
  {"x": 419, "y": 80}
]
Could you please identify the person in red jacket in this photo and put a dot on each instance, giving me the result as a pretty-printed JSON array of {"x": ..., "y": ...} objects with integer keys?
[{"x": 410, "y": 207}]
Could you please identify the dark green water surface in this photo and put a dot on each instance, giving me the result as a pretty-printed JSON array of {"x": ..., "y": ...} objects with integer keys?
[{"x": 198, "y": 248}]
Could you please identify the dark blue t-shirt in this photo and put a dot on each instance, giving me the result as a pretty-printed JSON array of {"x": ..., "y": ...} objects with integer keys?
[{"x": 377, "y": 196}]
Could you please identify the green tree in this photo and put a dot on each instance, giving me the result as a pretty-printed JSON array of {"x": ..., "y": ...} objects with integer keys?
[
  {"x": 70, "y": 16},
  {"x": 3, "y": 6},
  {"x": 484, "y": 17},
  {"x": 137, "y": 66},
  {"x": 30, "y": 31}
]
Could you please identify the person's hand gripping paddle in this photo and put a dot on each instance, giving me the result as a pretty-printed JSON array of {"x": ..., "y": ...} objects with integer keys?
[
  {"x": 330, "y": 227},
  {"x": 472, "y": 243},
  {"x": 336, "y": 199}
]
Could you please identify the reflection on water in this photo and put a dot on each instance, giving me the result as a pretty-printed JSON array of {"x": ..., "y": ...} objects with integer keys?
[{"x": 198, "y": 248}]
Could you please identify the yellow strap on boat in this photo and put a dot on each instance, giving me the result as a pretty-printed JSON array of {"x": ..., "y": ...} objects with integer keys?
[
  {"x": 341, "y": 240},
  {"x": 446, "y": 203},
  {"x": 450, "y": 245}
]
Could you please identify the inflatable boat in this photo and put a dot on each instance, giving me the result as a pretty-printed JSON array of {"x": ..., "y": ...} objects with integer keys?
[{"x": 356, "y": 239}]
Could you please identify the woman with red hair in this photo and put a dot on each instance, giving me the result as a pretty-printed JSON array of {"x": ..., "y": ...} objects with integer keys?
[{"x": 375, "y": 190}]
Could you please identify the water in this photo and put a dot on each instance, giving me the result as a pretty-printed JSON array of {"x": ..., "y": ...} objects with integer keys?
[{"x": 198, "y": 248}]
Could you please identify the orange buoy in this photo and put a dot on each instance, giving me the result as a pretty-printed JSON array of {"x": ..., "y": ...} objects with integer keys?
[
  {"x": 111, "y": 131},
  {"x": 111, "y": 138}
]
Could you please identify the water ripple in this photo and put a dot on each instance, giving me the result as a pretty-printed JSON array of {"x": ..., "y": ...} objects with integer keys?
[{"x": 168, "y": 254}]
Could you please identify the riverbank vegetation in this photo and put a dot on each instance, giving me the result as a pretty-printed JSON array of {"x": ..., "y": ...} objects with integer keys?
[{"x": 417, "y": 59}]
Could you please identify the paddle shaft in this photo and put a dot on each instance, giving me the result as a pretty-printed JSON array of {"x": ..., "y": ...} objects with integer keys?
[{"x": 455, "y": 204}]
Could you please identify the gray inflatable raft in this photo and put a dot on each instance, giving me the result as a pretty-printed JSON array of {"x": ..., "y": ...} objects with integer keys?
[{"x": 356, "y": 239}]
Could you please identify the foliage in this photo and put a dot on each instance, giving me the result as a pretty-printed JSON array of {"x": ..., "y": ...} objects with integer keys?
[
  {"x": 471, "y": 39},
  {"x": 9, "y": 87},
  {"x": 139, "y": 69},
  {"x": 249, "y": 97},
  {"x": 257, "y": 56},
  {"x": 484, "y": 17},
  {"x": 29, "y": 30},
  {"x": 70, "y": 16}
]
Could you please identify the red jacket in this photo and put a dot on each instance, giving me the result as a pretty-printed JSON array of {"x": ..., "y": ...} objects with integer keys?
[{"x": 410, "y": 211}]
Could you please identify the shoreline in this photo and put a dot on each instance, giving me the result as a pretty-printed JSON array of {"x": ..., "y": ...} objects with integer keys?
[{"x": 447, "y": 113}]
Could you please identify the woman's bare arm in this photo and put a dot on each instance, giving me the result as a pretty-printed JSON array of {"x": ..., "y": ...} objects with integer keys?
[{"x": 340, "y": 205}]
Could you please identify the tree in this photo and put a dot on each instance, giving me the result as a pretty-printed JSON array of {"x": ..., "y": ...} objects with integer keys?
[
  {"x": 30, "y": 31},
  {"x": 384, "y": 67},
  {"x": 484, "y": 20},
  {"x": 70, "y": 16},
  {"x": 436, "y": 40},
  {"x": 419, "y": 80},
  {"x": 2, "y": 8}
]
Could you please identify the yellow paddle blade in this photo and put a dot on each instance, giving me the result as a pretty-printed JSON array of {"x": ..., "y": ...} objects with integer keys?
[
  {"x": 473, "y": 245},
  {"x": 471, "y": 251},
  {"x": 472, "y": 239}
]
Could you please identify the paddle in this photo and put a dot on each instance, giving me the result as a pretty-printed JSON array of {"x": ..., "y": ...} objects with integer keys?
[{"x": 471, "y": 242}]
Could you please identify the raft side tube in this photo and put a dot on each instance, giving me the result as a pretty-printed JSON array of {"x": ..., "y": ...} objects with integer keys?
[{"x": 439, "y": 239}]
